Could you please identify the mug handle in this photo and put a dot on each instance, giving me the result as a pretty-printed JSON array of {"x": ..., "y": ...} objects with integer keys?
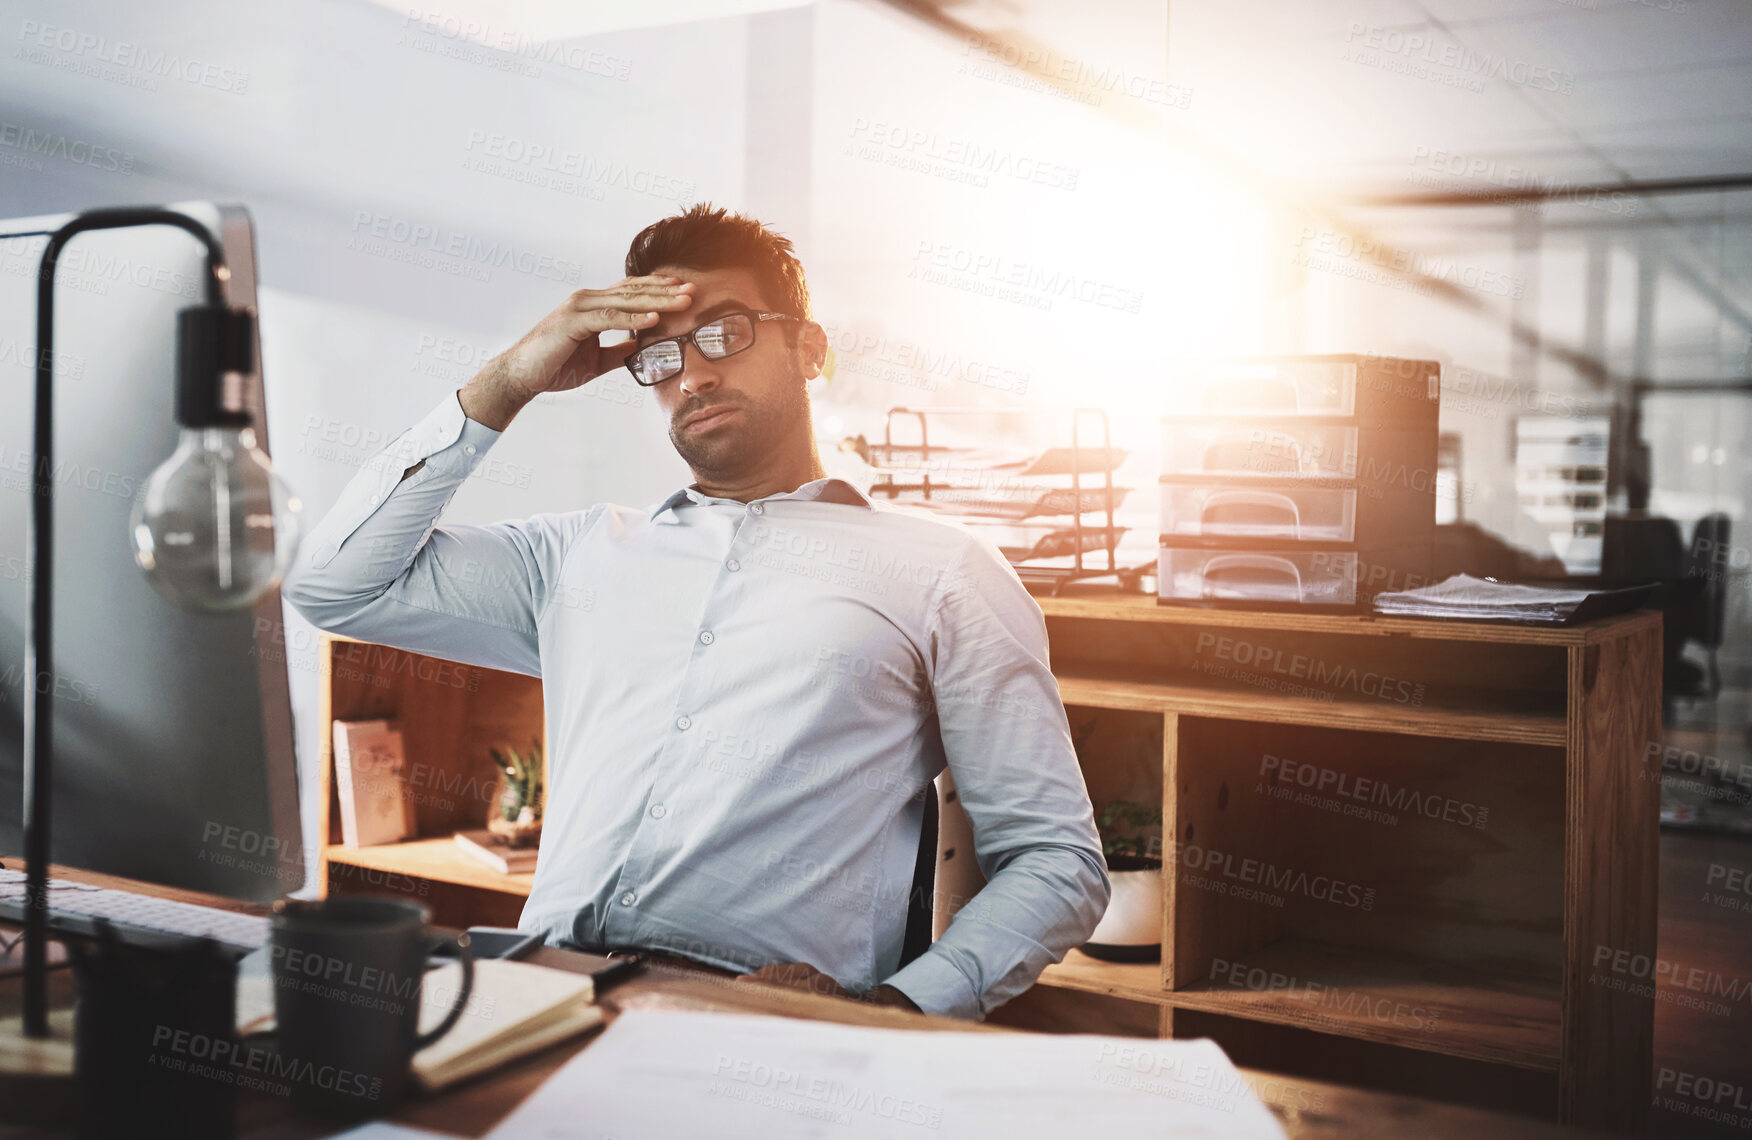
[{"x": 455, "y": 1014}]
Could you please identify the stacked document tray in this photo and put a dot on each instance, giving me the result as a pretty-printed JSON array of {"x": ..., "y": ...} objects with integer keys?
[
  {"x": 1305, "y": 481},
  {"x": 1050, "y": 512}
]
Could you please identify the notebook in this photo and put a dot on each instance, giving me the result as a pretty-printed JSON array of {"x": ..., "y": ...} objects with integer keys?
[{"x": 515, "y": 1009}]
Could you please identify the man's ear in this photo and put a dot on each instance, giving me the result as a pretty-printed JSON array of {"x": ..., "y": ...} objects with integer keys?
[{"x": 812, "y": 349}]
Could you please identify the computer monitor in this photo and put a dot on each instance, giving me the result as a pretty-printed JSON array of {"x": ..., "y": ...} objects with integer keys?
[{"x": 174, "y": 759}]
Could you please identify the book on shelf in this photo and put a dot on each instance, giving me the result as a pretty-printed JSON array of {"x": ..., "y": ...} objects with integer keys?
[
  {"x": 370, "y": 767},
  {"x": 496, "y": 852}
]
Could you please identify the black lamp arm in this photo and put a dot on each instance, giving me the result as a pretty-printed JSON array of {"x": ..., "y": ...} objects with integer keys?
[{"x": 39, "y": 719}]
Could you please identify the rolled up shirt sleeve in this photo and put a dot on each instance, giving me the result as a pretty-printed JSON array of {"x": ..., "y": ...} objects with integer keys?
[
  {"x": 379, "y": 568},
  {"x": 1008, "y": 745}
]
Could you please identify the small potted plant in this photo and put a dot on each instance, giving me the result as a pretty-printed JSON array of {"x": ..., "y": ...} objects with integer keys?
[
  {"x": 1131, "y": 930},
  {"x": 517, "y": 801}
]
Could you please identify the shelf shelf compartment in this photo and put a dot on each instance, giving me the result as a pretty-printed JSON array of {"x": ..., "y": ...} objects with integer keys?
[
  {"x": 1134, "y": 981},
  {"x": 437, "y": 859},
  {"x": 1398, "y": 1000},
  {"x": 1367, "y": 995},
  {"x": 1463, "y": 717}
]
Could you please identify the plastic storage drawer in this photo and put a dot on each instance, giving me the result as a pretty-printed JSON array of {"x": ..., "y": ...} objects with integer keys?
[
  {"x": 1205, "y": 447},
  {"x": 1298, "y": 514},
  {"x": 1282, "y": 388},
  {"x": 1310, "y": 578}
]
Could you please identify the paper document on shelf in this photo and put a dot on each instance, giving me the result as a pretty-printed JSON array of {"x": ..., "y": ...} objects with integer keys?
[
  {"x": 1464, "y": 596},
  {"x": 659, "y": 1074}
]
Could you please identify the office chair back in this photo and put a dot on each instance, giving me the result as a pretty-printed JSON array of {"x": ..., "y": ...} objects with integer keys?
[
  {"x": 1710, "y": 558},
  {"x": 1709, "y": 542},
  {"x": 945, "y": 874},
  {"x": 918, "y": 935}
]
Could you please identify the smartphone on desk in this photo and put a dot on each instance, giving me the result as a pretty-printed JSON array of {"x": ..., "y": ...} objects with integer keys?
[{"x": 501, "y": 941}]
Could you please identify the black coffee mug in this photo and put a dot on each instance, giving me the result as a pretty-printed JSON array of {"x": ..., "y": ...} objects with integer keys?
[{"x": 347, "y": 979}]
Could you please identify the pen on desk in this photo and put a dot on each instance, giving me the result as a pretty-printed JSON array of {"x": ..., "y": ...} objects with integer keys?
[{"x": 616, "y": 971}]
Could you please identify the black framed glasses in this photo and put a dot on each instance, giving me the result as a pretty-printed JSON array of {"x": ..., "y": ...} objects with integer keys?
[{"x": 716, "y": 339}]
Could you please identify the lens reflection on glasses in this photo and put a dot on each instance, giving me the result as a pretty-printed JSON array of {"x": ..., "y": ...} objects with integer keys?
[{"x": 656, "y": 363}]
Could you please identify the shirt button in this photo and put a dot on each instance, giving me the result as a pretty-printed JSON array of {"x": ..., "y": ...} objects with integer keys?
[
  {"x": 629, "y": 899},
  {"x": 683, "y": 723},
  {"x": 658, "y": 811},
  {"x": 470, "y": 448},
  {"x": 706, "y": 637},
  {"x": 730, "y": 565},
  {"x": 758, "y": 509}
]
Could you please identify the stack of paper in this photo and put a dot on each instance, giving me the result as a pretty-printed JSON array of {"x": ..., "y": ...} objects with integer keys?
[
  {"x": 663, "y": 1074},
  {"x": 1486, "y": 599}
]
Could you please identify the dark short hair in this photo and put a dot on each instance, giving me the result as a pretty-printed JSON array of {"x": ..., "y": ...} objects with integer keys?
[{"x": 710, "y": 237}]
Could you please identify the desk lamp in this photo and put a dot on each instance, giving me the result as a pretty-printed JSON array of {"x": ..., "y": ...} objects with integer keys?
[{"x": 214, "y": 528}]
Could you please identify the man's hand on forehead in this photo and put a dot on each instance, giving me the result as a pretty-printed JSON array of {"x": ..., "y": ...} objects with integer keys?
[{"x": 565, "y": 350}]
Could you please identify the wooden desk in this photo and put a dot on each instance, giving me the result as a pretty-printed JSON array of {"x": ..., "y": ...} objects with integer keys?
[{"x": 1309, "y": 1110}]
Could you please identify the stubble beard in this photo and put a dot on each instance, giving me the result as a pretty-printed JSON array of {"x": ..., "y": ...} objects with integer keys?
[{"x": 761, "y": 430}]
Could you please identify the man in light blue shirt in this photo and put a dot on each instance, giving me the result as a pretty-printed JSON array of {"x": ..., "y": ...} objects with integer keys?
[{"x": 749, "y": 687}]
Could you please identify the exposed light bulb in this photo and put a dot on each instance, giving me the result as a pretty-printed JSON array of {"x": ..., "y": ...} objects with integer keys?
[{"x": 215, "y": 528}]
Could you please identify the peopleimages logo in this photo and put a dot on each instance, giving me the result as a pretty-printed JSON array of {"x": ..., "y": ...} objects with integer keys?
[
  {"x": 1462, "y": 61},
  {"x": 815, "y": 1096},
  {"x": 136, "y": 65},
  {"x": 32, "y": 145},
  {"x": 1324, "y": 996},
  {"x": 1710, "y": 1098},
  {"x": 1326, "y": 250},
  {"x": 248, "y": 1066},
  {"x": 1464, "y": 172},
  {"x": 556, "y": 167},
  {"x": 1086, "y": 79},
  {"x": 929, "y": 152},
  {"x": 1300, "y": 666},
  {"x": 1661, "y": 979},
  {"x": 867, "y": 352},
  {"x": 379, "y": 234},
  {"x": 1283, "y": 775},
  {"x": 522, "y": 51},
  {"x": 995, "y": 275},
  {"x": 1229, "y": 873}
]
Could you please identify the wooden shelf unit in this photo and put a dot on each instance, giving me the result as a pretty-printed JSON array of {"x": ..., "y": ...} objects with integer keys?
[
  {"x": 450, "y": 716},
  {"x": 1478, "y": 944},
  {"x": 1410, "y": 833}
]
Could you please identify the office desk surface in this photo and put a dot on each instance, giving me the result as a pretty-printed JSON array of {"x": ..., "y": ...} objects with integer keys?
[{"x": 473, "y": 1108}]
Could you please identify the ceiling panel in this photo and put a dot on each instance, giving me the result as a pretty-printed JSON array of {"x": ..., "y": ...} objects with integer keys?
[{"x": 1358, "y": 95}]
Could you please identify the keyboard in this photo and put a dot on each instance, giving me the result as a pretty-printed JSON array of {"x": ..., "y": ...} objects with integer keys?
[{"x": 74, "y": 909}]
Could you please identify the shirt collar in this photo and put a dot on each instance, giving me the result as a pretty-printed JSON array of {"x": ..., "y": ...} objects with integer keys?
[{"x": 831, "y": 489}]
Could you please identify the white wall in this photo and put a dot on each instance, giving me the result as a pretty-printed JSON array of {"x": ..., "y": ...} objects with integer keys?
[{"x": 334, "y": 120}]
